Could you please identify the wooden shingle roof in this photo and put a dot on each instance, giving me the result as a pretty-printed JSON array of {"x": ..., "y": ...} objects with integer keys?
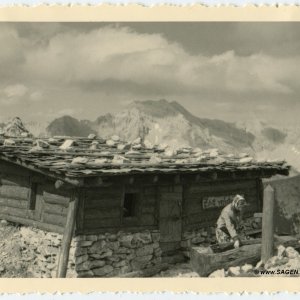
[{"x": 90, "y": 157}]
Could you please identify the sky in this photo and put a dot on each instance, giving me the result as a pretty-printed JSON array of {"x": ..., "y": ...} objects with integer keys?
[{"x": 231, "y": 71}]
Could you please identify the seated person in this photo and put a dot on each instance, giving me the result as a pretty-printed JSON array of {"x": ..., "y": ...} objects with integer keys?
[{"x": 228, "y": 222}]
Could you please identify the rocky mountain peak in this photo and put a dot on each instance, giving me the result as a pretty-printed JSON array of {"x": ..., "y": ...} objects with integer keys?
[
  {"x": 69, "y": 126},
  {"x": 159, "y": 109},
  {"x": 15, "y": 128}
]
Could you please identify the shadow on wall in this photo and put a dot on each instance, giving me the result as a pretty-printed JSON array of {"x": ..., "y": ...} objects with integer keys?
[{"x": 287, "y": 204}]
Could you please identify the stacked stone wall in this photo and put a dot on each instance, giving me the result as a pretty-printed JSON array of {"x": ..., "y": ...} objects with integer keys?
[
  {"x": 114, "y": 255},
  {"x": 121, "y": 254}
]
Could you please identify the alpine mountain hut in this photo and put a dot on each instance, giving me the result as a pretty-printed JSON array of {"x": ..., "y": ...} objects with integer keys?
[{"x": 121, "y": 209}]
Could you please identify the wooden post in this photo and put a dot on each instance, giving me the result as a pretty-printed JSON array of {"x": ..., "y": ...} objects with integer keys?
[
  {"x": 67, "y": 237},
  {"x": 267, "y": 224}
]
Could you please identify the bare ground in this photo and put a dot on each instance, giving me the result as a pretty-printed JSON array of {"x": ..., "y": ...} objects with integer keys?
[{"x": 12, "y": 262}]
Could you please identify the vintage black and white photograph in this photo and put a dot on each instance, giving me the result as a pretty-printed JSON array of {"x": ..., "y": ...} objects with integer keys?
[{"x": 149, "y": 149}]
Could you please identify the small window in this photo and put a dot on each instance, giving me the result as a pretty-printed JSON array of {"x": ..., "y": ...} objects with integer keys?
[{"x": 130, "y": 205}]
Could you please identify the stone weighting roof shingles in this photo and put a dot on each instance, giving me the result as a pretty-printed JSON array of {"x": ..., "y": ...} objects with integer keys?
[{"x": 92, "y": 157}]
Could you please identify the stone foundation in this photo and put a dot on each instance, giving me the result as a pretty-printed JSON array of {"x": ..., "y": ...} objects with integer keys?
[
  {"x": 115, "y": 255},
  {"x": 103, "y": 255},
  {"x": 121, "y": 254}
]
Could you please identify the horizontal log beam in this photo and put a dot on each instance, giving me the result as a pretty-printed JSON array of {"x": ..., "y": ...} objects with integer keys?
[
  {"x": 96, "y": 182},
  {"x": 114, "y": 229},
  {"x": 29, "y": 222},
  {"x": 54, "y": 219},
  {"x": 205, "y": 264},
  {"x": 75, "y": 182},
  {"x": 13, "y": 203},
  {"x": 60, "y": 184}
]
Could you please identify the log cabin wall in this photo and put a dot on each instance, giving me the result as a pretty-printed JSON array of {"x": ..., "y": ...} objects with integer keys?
[
  {"x": 26, "y": 201},
  {"x": 102, "y": 209},
  {"x": 203, "y": 201}
]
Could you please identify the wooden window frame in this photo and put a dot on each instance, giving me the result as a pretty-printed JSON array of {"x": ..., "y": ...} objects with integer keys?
[{"x": 133, "y": 220}]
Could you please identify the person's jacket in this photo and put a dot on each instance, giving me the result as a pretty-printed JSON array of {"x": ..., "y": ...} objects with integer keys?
[{"x": 229, "y": 220}]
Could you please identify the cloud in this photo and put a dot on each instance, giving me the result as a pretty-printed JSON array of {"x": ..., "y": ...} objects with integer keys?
[
  {"x": 11, "y": 51},
  {"x": 36, "y": 96},
  {"x": 13, "y": 94},
  {"x": 8, "y": 101},
  {"x": 100, "y": 68},
  {"x": 16, "y": 93},
  {"x": 123, "y": 55},
  {"x": 16, "y": 90},
  {"x": 66, "y": 111},
  {"x": 52, "y": 114}
]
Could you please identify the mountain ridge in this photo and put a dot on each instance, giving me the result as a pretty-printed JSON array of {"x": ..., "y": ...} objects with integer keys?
[
  {"x": 67, "y": 125},
  {"x": 161, "y": 122},
  {"x": 168, "y": 122}
]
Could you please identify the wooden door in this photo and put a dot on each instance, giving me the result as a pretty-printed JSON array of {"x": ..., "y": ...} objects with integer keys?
[{"x": 170, "y": 216}]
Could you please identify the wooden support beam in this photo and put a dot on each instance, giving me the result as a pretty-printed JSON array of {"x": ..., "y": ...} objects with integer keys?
[
  {"x": 267, "y": 224},
  {"x": 97, "y": 182},
  {"x": 60, "y": 184},
  {"x": 67, "y": 236},
  {"x": 75, "y": 182}
]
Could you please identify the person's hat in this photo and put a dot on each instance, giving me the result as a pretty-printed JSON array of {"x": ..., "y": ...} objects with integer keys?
[{"x": 239, "y": 199}]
